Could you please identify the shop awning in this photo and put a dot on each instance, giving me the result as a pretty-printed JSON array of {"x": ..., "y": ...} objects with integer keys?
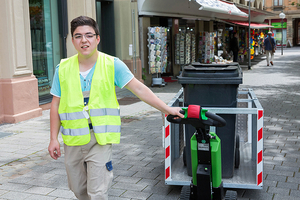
[
  {"x": 253, "y": 25},
  {"x": 193, "y": 9},
  {"x": 220, "y": 7}
]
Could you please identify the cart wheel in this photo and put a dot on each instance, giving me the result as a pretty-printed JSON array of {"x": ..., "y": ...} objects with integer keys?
[
  {"x": 230, "y": 195},
  {"x": 185, "y": 192},
  {"x": 237, "y": 141},
  {"x": 237, "y": 152},
  {"x": 237, "y": 158},
  {"x": 184, "y": 157}
]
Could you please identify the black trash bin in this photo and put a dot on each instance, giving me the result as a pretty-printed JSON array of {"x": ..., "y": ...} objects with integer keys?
[{"x": 213, "y": 85}]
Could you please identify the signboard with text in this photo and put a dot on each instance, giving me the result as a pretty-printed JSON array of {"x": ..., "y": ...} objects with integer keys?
[{"x": 278, "y": 25}]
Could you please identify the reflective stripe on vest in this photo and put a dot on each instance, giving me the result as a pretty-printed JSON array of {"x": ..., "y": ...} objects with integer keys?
[
  {"x": 107, "y": 128},
  {"x": 93, "y": 113},
  {"x": 104, "y": 111},
  {"x": 98, "y": 129},
  {"x": 71, "y": 116},
  {"x": 74, "y": 132}
]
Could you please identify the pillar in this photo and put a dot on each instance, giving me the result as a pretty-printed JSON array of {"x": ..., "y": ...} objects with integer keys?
[{"x": 19, "y": 98}]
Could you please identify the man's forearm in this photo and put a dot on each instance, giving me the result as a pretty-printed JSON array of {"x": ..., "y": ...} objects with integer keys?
[
  {"x": 54, "y": 121},
  {"x": 146, "y": 95}
]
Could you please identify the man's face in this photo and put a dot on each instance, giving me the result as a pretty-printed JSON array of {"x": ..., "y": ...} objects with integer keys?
[{"x": 85, "y": 40}]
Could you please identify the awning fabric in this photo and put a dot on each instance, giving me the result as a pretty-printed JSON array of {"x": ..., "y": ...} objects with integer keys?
[
  {"x": 220, "y": 7},
  {"x": 190, "y": 9},
  {"x": 253, "y": 25}
]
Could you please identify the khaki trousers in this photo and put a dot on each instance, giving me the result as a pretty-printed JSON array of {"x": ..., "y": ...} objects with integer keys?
[
  {"x": 268, "y": 52},
  {"x": 88, "y": 176}
]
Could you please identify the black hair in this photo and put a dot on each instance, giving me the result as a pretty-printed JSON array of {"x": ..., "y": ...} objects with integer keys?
[{"x": 84, "y": 21}]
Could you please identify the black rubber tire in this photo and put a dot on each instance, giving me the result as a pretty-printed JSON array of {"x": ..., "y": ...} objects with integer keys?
[
  {"x": 230, "y": 195},
  {"x": 237, "y": 141},
  {"x": 237, "y": 152},
  {"x": 185, "y": 192},
  {"x": 237, "y": 158},
  {"x": 184, "y": 156}
]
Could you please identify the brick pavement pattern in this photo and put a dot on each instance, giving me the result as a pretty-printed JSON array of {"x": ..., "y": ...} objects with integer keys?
[{"x": 28, "y": 172}]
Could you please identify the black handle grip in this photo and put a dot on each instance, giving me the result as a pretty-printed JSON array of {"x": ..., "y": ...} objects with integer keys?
[
  {"x": 171, "y": 119},
  {"x": 217, "y": 120}
]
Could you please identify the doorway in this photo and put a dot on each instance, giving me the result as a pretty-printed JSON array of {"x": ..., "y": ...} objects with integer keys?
[{"x": 296, "y": 36}]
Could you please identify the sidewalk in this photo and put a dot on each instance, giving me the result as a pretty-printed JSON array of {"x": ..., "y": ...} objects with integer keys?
[{"x": 28, "y": 172}]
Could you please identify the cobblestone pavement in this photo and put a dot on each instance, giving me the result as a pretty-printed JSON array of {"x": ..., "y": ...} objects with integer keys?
[{"x": 28, "y": 172}]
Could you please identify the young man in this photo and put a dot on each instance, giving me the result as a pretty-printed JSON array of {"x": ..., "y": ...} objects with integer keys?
[
  {"x": 269, "y": 45},
  {"x": 85, "y": 109}
]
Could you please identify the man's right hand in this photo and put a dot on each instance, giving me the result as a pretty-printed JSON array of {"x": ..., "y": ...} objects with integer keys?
[{"x": 54, "y": 149}]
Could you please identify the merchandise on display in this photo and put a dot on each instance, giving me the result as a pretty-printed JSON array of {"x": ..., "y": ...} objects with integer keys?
[
  {"x": 206, "y": 47},
  {"x": 221, "y": 60},
  {"x": 157, "y": 45},
  {"x": 185, "y": 48}
]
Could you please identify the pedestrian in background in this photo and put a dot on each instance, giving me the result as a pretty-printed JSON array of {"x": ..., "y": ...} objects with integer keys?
[
  {"x": 270, "y": 47},
  {"x": 234, "y": 47},
  {"x": 86, "y": 111}
]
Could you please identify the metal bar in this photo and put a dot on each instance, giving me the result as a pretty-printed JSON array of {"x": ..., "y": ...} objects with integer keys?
[
  {"x": 177, "y": 174},
  {"x": 249, "y": 34}
]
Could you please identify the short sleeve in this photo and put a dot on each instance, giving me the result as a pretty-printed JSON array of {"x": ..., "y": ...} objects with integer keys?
[
  {"x": 122, "y": 74},
  {"x": 55, "y": 89}
]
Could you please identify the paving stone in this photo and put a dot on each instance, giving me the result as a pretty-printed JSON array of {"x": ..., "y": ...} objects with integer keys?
[
  {"x": 295, "y": 193},
  {"x": 128, "y": 186},
  {"x": 277, "y": 190},
  {"x": 15, "y": 195},
  {"x": 281, "y": 197},
  {"x": 115, "y": 192},
  {"x": 40, "y": 190},
  {"x": 258, "y": 195},
  {"x": 40, "y": 197},
  {"x": 125, "y": 179},
  {"x": 276, "y": 178},
  {"x": 62, "y": 193},
  {"x": 137, "y": 195},
  {"x": 14, "y": 187},
  {"x": 288, "y": 185}
]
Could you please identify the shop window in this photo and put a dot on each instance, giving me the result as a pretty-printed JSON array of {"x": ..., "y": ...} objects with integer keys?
[
  {"x": 45, "y": 42},
  {"x": 278, "y": 34}
]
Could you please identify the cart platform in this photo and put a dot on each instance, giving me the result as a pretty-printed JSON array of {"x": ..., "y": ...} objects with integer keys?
[{"x": 249, "y": 126}]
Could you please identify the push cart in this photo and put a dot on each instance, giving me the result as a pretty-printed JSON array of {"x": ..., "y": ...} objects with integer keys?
[{"x": 249, "y": 127}]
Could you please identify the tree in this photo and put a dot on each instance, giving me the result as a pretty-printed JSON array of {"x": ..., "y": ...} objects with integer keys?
[{"x": 295, "y": 4}]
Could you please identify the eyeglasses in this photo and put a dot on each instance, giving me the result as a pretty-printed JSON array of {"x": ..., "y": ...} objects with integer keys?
[{"x": 87, "y": 36}]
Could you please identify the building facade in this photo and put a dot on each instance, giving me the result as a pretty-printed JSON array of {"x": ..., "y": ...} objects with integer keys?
[
  {"x": 291, "y": 23},
  {"x": 36, "y": 37}
]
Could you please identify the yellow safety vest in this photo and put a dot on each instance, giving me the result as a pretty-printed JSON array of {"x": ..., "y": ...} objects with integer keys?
[{"x": 104, "y": 110}]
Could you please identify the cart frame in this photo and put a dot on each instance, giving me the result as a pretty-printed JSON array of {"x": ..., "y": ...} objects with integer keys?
[{"x": 250, "y": 173}]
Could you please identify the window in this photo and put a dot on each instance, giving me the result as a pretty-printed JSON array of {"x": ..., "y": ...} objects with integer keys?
[
  {"x": 277, "y": 2},
  {"x": 45, "y": 42}
]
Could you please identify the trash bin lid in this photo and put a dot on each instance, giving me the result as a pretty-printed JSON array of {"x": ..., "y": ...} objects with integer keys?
[
  {"x": 198, "y": 64},
  {"x": 211, "y": 74}
]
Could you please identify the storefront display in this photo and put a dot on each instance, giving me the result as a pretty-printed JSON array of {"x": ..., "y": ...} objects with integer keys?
[
  {"x": 179, "y": 49},
  {"x": 185, "y": 48},
  {"x": 206, "y": 47},
  {"x": 157, "y": 45},
  {"x": 242, "y": 45}
]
